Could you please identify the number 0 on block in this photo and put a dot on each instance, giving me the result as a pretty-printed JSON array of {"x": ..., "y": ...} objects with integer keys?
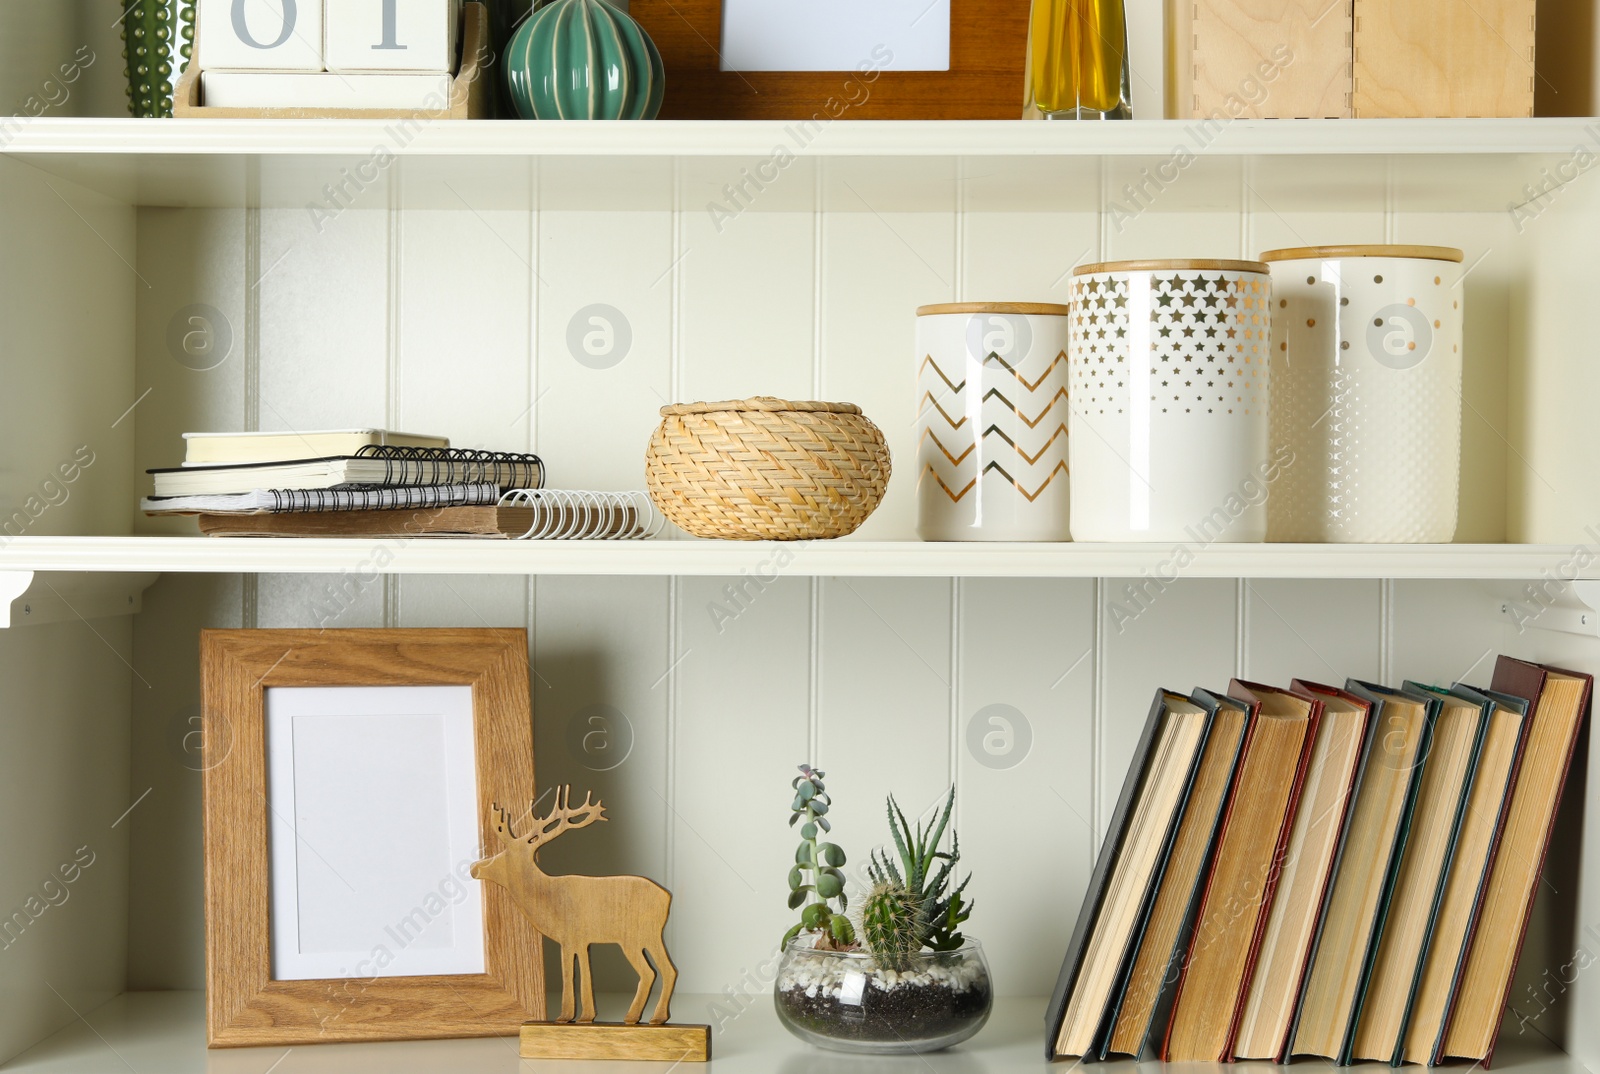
[{"x": 261, "y": 35}]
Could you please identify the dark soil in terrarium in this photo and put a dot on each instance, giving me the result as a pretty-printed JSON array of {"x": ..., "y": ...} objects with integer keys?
[{"x": 906, "y": 1012}]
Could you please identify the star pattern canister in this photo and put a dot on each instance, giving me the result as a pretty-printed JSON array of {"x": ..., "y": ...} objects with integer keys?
[
  {"x": 1169, "y": 395},
  {"x": 1366, "y": 393}
]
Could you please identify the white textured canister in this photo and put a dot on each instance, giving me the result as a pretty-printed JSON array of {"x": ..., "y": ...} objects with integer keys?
[
  {"x": 992, "y": 422},
  {"x": 1169, "y": 401},
  {"x": 1366, "y": 393}
]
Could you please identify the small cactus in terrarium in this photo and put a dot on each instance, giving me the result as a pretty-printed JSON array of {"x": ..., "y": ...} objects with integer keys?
[
  {"x": 924, "y": 872},
  {"x": 892, "y": 924},
  {"x": 911, "y": 905},
  {"x": 816, "y": 880},
  {"x": 898, "y": 976}
]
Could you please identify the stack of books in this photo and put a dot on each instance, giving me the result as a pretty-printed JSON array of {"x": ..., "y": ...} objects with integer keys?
[
  {"x": 344, "y": 482},
  {"x": 1344, "y": 873}
]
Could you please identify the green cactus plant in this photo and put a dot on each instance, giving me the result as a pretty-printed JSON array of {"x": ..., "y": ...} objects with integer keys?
[
  {"x": 892, "y": 924},
  {"x": 815, "y": 881},
  {"x": 925, "y": 872},
  {"x": 147, "y": 46}
]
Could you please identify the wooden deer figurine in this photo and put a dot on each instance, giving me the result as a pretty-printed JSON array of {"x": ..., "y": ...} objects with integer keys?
[{"x": 578, "y": 911}]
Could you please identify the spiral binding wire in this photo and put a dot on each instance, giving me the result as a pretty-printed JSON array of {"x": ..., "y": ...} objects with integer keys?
[
  {"x": 576, "y": 515},
  {"x": 380, "y": 498},
  {"x": 436, "y": 466}
]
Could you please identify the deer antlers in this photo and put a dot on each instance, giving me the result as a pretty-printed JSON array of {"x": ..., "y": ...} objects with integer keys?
[{"x": 562, "y": 817}]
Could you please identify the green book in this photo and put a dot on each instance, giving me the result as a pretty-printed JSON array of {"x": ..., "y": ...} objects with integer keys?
[
  {"x": 1363, "y": 887},
  {"x": 1456, "y": 743}
]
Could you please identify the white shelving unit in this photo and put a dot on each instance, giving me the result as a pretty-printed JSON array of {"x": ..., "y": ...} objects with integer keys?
[
  {"x": 1307, "y": 165},
  {"x": 162, "y": 1032},
  {"x": 770, "y": 561},
  {"x": 364, "y": 273}
]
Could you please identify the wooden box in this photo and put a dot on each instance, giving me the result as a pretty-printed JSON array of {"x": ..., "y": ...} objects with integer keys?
[
  {"x": 1443, "y": 58},
  {"x": 1258, "y": 59}
]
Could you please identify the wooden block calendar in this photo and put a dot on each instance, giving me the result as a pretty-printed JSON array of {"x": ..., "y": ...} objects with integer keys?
[{"x": 466, "y": 80}]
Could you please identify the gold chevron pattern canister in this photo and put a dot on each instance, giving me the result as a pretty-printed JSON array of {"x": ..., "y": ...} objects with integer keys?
[{"x": 992, "y": 422}]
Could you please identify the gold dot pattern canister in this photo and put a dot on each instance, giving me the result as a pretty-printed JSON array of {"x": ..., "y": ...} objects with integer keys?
[{"x": 1366, "y": 393}]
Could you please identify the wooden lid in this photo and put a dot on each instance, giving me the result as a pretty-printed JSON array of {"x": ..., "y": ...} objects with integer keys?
[
  {"x": 761, "y": 402},
  {"x": 1325, "y": 253},
  {"x": 1159, "y": 265},
  {"x": 1043, "y": 309}
]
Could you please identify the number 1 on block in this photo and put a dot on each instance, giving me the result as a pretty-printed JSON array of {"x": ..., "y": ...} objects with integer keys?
[{"x": 392, "y": 35}]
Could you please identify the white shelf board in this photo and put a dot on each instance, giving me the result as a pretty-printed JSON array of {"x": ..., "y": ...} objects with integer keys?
[
  {"x": 842, "y": 138},
  {"x": 147, "y": 1032},
  {"x": 880, "y": 166},
  {"x": 844, "y": 558}
]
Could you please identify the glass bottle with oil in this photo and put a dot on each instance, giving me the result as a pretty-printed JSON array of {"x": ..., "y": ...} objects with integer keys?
[{"x": 1077, "y": 60}]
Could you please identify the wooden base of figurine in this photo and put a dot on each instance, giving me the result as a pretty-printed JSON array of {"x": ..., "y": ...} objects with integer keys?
[{"x": 614, "y": 1040}]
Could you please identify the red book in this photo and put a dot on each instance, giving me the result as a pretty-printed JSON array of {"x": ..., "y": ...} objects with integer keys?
[
  {"x": 1315, "y": 845},
  {"x": 1244, "y": 873},
  {"x": 1560, "y": 701}
]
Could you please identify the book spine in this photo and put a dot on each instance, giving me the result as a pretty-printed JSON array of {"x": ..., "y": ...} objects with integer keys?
[
  {"x": 1252, "y": 715},
  {"x": 1325, "y": 893},
  {"x": 1481, "y": 896},
  {"x": 1269, "y": 888},
  {"x": 1120, "y": 989},
  {"x": 1471, "y": 777},
  {"x": 1544, "y": 849},
  {"x": 1098, "y": 880},
  {"x": 1391, "y": 877}
]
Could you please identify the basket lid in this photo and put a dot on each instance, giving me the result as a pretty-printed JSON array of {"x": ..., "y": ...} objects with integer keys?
[
  {"x": 1321, "y": 253},
  {"x": 766, "y": 403},
  {"x": 1193, "y": 264}
]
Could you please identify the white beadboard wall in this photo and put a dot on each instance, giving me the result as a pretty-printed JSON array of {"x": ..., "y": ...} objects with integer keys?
[
  {"x": 67, "y": 687},
  {"x": 457, "y": 322}
]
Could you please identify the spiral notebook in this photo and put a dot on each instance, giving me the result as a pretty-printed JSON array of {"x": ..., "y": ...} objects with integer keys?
[
  {"x": 523, "y": 514},
  {"x": 373, "y": 466},
  {"x": 296, "y": 501}
]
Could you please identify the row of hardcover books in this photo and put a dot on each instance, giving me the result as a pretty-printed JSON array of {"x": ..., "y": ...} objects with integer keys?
[{"x": 1314, "y": 871}]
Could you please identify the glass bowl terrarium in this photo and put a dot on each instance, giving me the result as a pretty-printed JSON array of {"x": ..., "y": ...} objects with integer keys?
[
  {"x": 897, "y": 976},
  {"x": 845, "y": 1001}
]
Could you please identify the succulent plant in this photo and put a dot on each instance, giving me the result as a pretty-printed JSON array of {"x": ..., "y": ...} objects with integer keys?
[
  {"x": 892, "y": 924},
  {"x": 816, "y": 880},
  {"x": 147, "y": 36},
  {"x": 925, "y": 872}
]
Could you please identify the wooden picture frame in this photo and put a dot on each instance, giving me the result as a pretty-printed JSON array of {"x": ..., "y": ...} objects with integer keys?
[
  {"x": 245, "y": 1006},
  {"x": 988, "y": 45}
]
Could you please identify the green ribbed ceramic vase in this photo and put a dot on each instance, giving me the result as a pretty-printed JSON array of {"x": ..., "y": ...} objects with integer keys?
[{"x": 583, "y": 59}]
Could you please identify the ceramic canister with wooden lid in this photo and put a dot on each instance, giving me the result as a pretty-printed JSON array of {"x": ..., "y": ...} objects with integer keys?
[
  {"x": 1169, "y": 401},
  {"x": 1366, "y": 393},
  {"x": 992, "y": 422}
]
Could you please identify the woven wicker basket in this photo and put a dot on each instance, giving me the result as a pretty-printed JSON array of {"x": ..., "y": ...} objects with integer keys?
[{"x": 766, "y": 469}]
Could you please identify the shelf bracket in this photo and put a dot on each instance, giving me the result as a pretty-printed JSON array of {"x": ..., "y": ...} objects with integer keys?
[
  {"x": 28, "y": 597},
  {"x": 1574, "y": 609}
]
